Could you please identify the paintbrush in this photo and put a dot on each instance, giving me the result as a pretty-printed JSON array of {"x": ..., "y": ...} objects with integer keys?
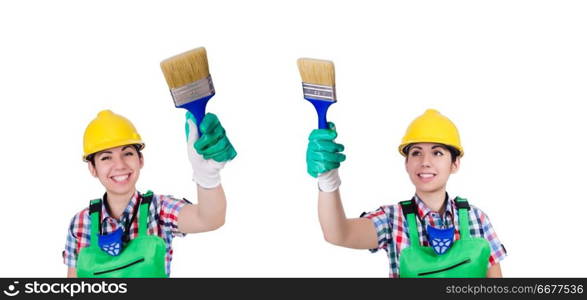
[
  {"x": 189, "y": 81},
  {"x": 318, "y": 85}
]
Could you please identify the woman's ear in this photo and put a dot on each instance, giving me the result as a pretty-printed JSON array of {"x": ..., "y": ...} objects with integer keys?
[
  {"x": 454, "y": 167},
  {"x": 142, "y": 160},
  {"x": 92, "y": 169}
]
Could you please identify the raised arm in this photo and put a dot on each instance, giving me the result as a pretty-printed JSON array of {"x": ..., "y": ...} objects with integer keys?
[
  {"x": 207, "y": 154},
  {"x": 323, "y": 159},
  {"x": 358, "y": 233},
  {"x": 207, "y": 215}
]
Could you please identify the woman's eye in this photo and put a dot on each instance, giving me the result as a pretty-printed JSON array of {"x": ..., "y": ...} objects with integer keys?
[
  {"x": 415, "y": 153},
  {"x": 103, "y": 158},
  {"x": 438, "y": 153},
  {"x": 129, "y": 154}
]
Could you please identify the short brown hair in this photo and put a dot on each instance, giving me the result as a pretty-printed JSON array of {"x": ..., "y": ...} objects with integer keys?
[
  {"x": 91, "y": 157},
  {"x": 454, "y": 152}
]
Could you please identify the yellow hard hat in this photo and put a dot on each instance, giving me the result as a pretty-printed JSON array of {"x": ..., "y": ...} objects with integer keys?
[
  {"x": 109, "y": 130},
  {"x": 432, "y": 127}
]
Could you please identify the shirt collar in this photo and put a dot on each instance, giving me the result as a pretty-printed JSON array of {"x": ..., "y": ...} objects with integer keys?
[
  {"x": 126, "y": 214},
  {"x": 424, "y": 210}
]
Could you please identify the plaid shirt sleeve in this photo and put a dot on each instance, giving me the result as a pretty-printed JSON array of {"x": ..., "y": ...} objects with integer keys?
[
  {"x": 169, "y": 208},
  {"x": 498, "y": 252},
  {"x": 380, "y": 219},
  {"x": 78, "y": 237}
]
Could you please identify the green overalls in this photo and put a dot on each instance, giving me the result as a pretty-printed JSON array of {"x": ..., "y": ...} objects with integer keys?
[
  {"x": 467, "y": 258},
  {"x": 144, "y": 256}
]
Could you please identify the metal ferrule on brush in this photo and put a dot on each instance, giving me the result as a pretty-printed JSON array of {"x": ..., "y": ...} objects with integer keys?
[
  {"x": 319, "y": 92},
  {"x": 192, "y": 91}
]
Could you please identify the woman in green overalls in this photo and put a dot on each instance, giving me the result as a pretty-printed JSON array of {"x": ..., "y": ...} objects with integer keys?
[
  {"x": 126, "y": 233},
  {"x": 430, "y": 235}
]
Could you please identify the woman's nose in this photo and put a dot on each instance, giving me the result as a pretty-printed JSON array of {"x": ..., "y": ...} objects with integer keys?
[
  {"x": 426, "y": 160},
  {"x": 119, "y": 163}
]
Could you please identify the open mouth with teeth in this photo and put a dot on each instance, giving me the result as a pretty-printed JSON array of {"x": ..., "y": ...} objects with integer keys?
[
  {"x": 426, "y": 176},
  {"x": 121, "y": 178}
]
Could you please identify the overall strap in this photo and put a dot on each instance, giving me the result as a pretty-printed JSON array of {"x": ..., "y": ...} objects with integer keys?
[
  {"x": 463, "y": 207},
  {"x": 409, "y": 210},
  {"x": 146, "y": 199},
  {"x": 95, "y": 211}
]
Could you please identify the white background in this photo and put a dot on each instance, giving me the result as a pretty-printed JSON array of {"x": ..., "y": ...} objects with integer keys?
[{"x": 511, "y": 75}]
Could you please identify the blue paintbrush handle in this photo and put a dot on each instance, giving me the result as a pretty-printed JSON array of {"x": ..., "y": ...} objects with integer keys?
[
  {"x": 198, "y": 109},
  {"x": 321, "y": 107}
]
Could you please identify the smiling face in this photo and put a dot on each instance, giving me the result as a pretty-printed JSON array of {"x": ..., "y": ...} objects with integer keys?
[
  {"x": 429, "y": 165},
  {"x": 117, "y": 169}
]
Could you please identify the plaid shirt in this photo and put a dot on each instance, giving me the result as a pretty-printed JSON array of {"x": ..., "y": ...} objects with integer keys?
[
  {"x": 392, "y": 229},
  {"x": 162, "y": 222}
]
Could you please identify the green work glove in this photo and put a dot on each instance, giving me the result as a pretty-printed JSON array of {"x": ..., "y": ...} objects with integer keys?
[
  {"x": 324, "y": 156},
  {"x": 209, "y": 153}
]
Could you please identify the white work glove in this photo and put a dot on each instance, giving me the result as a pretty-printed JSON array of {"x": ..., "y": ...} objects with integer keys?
[
  {"x": 329, "y": 181},
  {"x": 214, "y": 146}
]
